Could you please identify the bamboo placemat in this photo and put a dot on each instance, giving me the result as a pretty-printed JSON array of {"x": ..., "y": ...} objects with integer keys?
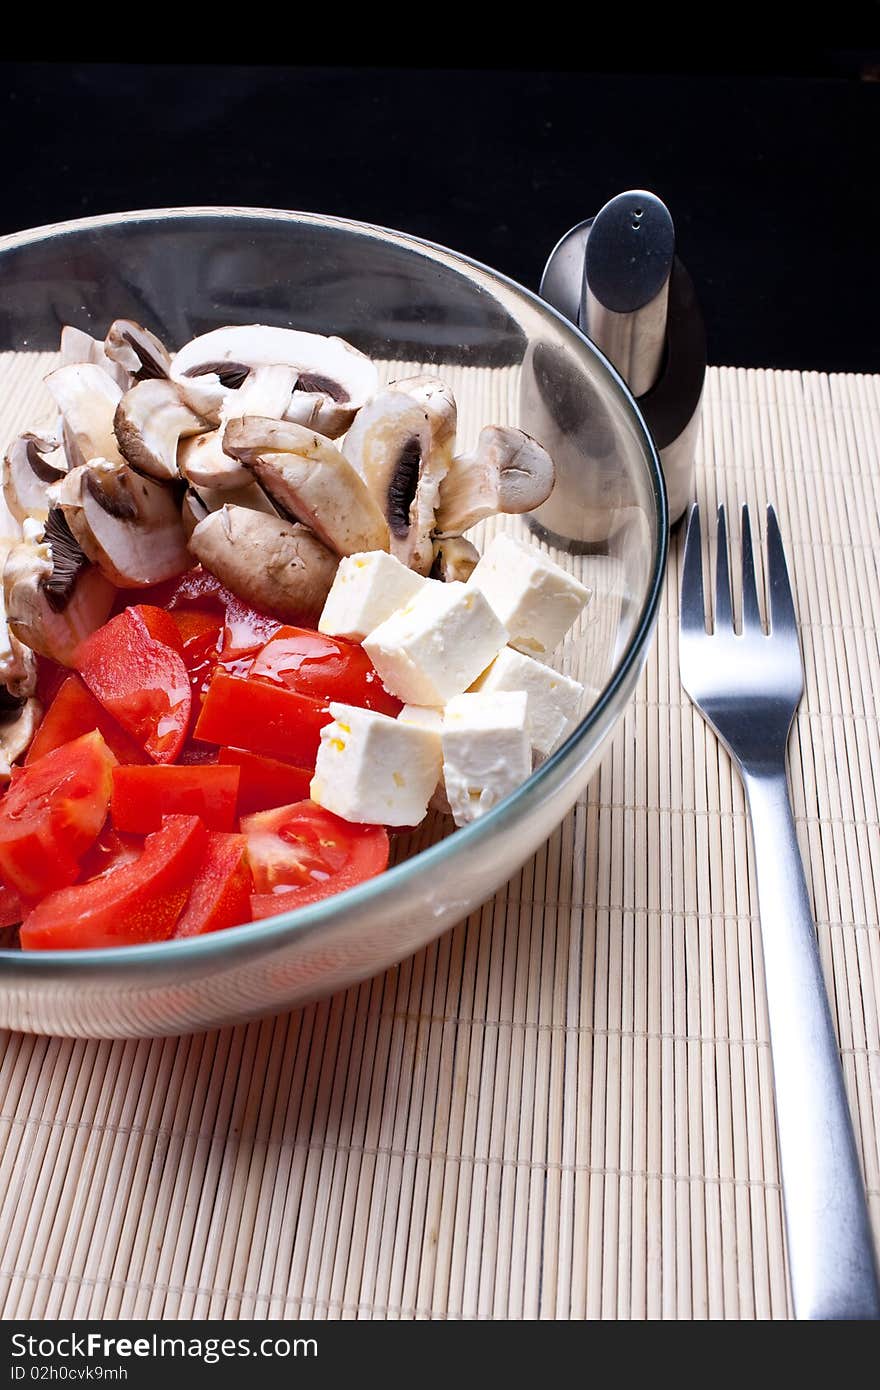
[{"x": 564, "y": 1107}]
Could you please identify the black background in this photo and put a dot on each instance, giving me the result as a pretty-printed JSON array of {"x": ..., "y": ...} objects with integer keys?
[{"x": 769, "y": 164}]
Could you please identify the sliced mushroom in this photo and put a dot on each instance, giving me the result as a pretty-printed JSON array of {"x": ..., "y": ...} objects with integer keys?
[
  {"x": 87, "y": 398},
  {"x": 333, "y": 381},
  {"x": 391, "y": 445},
  {"x": 439, "y": 403},
  {"x": 128, "y": 525},
  {"x": 137, "y": 350},
  {"x": 276, "y": 565},
  {"x": 77, "y": 346},
  {"x": 307, "y": 477},
  {"x": 17, "y": 728},
  {"x": 54, "y": 598},
  {"x": 18, "y": 667},
  {"x": 150, "y": 421},
  {"x": 199, "y": 502},
  {"x": 204, "y": 463},
  {"x": 507, "y": 472},
  {"x": 28, "y": 470},
  {"x": 455, "y": 559},
  {"x": 265, "y": 392}
]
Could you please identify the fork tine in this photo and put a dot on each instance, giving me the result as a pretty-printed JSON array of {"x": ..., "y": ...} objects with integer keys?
[
  {"x": 751, "y": 613},
  {"x": 723, "y": 611},
  {"x": 780, "y": 603},
  {"x": 692, "y": 608}
]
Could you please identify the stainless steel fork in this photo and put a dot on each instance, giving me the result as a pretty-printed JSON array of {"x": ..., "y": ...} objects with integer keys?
[{"x": 747, "y": 685}]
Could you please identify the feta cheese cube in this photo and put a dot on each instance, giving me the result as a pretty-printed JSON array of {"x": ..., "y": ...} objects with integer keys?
[
  {"x": 554, "y": 699},
  {"x": 374, "y": 770},
  {"x": 536, "y": 600},
  {"x": 485, "y": 750},
  {"x": 425, "y": 717},
  {"x": 437, "y": 645},
  {"x": 367, "y": 589}
]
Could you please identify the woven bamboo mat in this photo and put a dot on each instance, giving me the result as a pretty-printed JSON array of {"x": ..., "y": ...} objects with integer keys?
[{"x": 564, "y": 1107}]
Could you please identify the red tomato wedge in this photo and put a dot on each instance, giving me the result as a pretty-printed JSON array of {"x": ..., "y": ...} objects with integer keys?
[
  {"x": 325, "y": 668},
  {"x": 111, "y": 851},
  {"x": 220, "y": 894},
  {"x": 265, "y": 782},
  {"x": 245, "y": 630},
  {"x": 75, "y": 711},
  {"x": 134, "y": 666},
  {"x": 301, "y": 853},
  {"x": 143, "y": 795},
  {"x": 11, "y": 910},
  {"x": 136, "y": 903},
  {"x": 51, "y": 814},
  {"x": 262, "y": 718}
]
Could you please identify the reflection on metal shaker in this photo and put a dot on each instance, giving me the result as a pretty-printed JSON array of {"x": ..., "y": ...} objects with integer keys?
[{"x": 617, "y": 277}]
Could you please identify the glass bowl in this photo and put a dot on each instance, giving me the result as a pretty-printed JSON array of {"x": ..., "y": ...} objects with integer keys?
[{"x": 510, "y": 359}]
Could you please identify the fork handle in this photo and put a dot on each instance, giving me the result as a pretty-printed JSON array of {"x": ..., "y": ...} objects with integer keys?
[{"x": 830, "y": 1250}]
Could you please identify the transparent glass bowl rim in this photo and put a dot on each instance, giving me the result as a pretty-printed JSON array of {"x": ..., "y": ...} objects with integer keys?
[{"x": 308, "y": 920}]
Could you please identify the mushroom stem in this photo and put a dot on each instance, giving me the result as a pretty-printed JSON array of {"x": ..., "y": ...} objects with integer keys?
[{"x": 507, "y": 472}]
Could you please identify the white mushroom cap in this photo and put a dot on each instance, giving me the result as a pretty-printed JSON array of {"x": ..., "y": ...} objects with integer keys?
[
  {"x": 150, "y": 421},
  {"x": 17, "y": 728},
  {"x": 128, "y": 525},
  {"x": 87, "y": 398},
  {"x": 77, "y": 346},
  {"x": 53, "y": 599},
  {"x": 507, "y": 472},
  {"x": 391, "y": 446},
  {"x": 334, "y": 379},
  {"x": 307, "y": 477},
  {"x": 32, "y": 463},
  {"x": 276, "y": 565}
]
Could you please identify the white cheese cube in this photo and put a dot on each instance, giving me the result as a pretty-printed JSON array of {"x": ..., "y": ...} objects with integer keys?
[
  {"x": 425, "y": 717},
  {"x": 536, "y": 600},
  {"x": 437, "y": 645},
  {"x": 485, "y": 750},
  {"x": 554, "y": 700},
  {"x": 373, "y": 770},
  {"x": 367, "y": 589}
]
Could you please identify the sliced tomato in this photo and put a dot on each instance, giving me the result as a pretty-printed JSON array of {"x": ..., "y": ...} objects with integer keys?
[
  {"x": 266, "y": 782},
  {"x": 50, "y": 678},
  {"x": 139, "y": 902},
  {"x": 111, "y": 851},
  {"x": 75, "y": 711},
  {"x": 196, "y": 754},
  {"x": 51, "y": 814},
  {"x": 220, "y": 894},
  {"x": 301, "y": 853},
  {"x": 245, "y": 630},
  {"x": 325, "y": 668},
  {"x": 262, "y": 718},
  {"x": 143, "y": 795},
  {"x": 11, "y": 908},
  {"x": 134, "y": 666}
]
